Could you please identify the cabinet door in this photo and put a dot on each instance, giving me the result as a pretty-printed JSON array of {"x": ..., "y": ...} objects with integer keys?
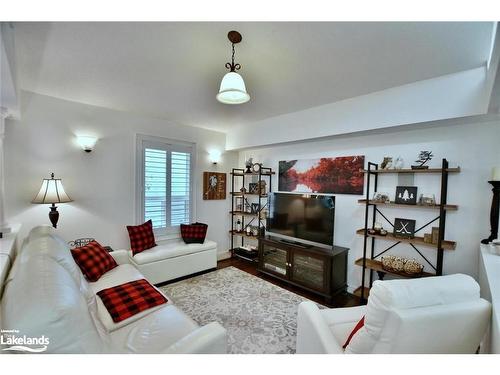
[
  {"x": 274, "y": 259},
  {"x": 310, "y": 270}
]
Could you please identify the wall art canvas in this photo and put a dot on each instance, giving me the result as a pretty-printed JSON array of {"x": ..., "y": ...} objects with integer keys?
[
  {"x": 406, "y": 195},
  {"x": 214, "y": 185},
  {"x": 340, "y": 175},
  {"x": 404, "y": 228}
]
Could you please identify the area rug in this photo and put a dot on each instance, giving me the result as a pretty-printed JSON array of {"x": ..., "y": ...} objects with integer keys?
[{"x": 259, "y": 317}]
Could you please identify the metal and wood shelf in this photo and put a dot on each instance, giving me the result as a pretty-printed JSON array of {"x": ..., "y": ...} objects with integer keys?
[
  {"x": 369, "y": 260},
  {"x": 448, "y": 207},
  {"x": 409, "y": 170},
  {"x": 248, "y": 218},
  {"x": 446, "y": 245}
]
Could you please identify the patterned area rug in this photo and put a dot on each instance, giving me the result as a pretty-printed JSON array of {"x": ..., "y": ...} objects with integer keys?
[{"x": 259, "y": 317}]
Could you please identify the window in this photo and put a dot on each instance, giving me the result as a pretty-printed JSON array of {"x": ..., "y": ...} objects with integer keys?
[{"x": 165, "y": 182}]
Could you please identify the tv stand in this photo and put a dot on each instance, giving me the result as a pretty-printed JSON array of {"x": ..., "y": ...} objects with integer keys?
[
  {"x": 318, "y": 270},
  {"x": 294, "y": 243}
]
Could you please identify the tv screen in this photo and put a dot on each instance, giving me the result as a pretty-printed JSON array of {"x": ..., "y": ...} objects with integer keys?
[{"x": 307, "y": 218}]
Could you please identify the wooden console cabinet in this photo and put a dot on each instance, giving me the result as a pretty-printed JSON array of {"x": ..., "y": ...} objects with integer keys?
[{"x": 318, "y": 270}]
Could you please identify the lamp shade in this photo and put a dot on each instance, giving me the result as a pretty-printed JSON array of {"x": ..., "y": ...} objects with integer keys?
[
  {"x": 51, "y": 191},
  {"x": 232, "y": 89}
]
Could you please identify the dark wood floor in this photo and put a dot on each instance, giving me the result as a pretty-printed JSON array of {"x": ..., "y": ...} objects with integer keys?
[{"x": 341, "y": 300}]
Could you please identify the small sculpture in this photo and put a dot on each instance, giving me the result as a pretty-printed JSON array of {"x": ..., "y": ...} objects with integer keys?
[
  {"x": 248, "y": 165},
  {"x": 423, "y": 158},
  {"x": 398, "y": 163},
  {"x": 386, "y": 163}
]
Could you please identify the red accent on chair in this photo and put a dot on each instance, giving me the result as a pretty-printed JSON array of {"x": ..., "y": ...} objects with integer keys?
[
  {"x": 141, "y": 237},
  {"x": 93, "y": 260},
  {"x": 126, "y": 300},
  {"x": 359, "y": 325},
  {"x": 194, "y": 233}
]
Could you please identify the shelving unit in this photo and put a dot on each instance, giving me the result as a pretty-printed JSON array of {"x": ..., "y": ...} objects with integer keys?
[
  {"x": 240, "y": 178},
  {"x": 369, "y": 260}
]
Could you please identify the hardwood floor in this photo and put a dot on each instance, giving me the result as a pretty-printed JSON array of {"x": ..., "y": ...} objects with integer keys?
[{"x": 341, "y": 300}]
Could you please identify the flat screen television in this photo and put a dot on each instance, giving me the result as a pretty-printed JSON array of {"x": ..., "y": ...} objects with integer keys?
[{"x": 305, "y": 218}]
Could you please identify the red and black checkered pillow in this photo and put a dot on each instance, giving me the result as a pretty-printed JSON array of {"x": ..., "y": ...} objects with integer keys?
[
  {"x": 194, "y": 233},
  {"x": 93, "y": 260},
  {"x": 141, "y": 237},
  {"x": 126, "y": 300}
]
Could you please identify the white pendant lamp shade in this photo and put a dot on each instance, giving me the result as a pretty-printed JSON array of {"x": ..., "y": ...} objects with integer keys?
[{"x": 232, "y": 89}]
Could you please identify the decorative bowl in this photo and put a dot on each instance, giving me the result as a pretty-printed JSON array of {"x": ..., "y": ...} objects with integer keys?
[{"x": 413, "y": 268}]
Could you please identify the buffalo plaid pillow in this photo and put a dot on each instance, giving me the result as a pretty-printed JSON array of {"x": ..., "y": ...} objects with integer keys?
[
  {"x": 93, "y": 260},
  {"x": 126, "y": 300},
  {"x": 194, "y": 233},
  {"x": 141, "y": 237}
]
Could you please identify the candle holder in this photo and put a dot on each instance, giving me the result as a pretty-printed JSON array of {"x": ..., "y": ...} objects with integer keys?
[{"x": 494, "y": 212}]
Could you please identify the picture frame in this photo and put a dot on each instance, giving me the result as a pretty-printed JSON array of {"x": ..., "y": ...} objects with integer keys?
[
  {"x": 406, "y": 195},
  {"x": 214, "y": 185},
  {"x": 435, "y": 235},
  {"x": 381, "y": 197},
  {"x": 253, "y": 187},
  {"x": 239, "y": 203},
  {"x": 255, "y": 208},
  {"x": 404, "y": 228}
]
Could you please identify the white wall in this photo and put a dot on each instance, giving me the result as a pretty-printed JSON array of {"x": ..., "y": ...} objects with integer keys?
[
  {"x": 451, "y": 96},
  {"x": 100, "y": 183},
  {"x": 474, "y": 147}
]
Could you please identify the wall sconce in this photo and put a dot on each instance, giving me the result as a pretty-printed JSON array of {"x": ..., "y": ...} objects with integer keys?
[
  {"x": 214, "y": 156},
  {"x": 86, "y": 142}
]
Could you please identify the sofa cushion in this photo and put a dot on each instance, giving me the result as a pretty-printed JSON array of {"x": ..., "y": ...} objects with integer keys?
[
  {"x": 125, "y": 300},
  {"x": 194, "y": 233},
  {"x": 42, "y": 241},
  {"x": 171, "y": 250},
  {"x": 93, "y": 260},
  {"x": 44, "y": 300},
  {"x": 154, "y": 332},
  {"x": 52, "y": 246},
  {"x": 117, "y": 276},
  {"x": 389, "y": 295},
  {"x": 141, "y": 237}
]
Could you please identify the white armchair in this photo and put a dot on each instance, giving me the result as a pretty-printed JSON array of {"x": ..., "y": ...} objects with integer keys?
[{"x": 428, "y": 315}]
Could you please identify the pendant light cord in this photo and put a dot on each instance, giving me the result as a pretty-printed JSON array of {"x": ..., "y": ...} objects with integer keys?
[{"x": 232, "y": 66}]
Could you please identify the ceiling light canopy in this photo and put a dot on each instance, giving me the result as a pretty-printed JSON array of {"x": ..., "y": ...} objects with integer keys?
[{"x": 232, "y": 87}]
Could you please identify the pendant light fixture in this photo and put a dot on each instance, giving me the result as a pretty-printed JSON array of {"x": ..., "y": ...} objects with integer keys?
[{"x": 232, "y": 87}]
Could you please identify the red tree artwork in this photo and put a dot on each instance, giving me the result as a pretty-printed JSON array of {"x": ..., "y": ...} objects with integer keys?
[{"x": 341, "y": 175}]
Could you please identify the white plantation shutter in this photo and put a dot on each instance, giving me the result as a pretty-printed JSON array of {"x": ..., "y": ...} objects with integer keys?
[
  {"x": 180, "y": 188},
  {"x": 167, "y": 192},
  {"x": 155, "y": 187}
]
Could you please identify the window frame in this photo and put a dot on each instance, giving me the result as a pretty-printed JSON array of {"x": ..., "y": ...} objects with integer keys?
[{"x": 170, "y": 145}]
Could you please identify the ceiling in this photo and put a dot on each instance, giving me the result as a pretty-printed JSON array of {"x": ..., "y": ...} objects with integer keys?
[{"x": 172, "y": 70}]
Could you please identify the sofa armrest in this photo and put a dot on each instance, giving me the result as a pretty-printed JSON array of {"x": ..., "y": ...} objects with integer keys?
[
  {"x": 120, "y": 256},
  {"x": 313, "y": 333},
  {"x": 209, "y": 339}
]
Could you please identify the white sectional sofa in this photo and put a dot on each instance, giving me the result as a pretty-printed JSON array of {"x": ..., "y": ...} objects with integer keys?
[
  {"x": 173, "y": 259},
  {"x": 46, "y": 294}
]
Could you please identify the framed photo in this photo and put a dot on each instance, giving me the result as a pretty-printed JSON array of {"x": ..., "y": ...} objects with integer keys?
[
  {"x": 338, "y": 175},
  {"x": 239, "y": 203},
  {"x": 255, "y": 208},
  {"x": 214, "y": 185},
  {"x": 406, "y": 195},
  {"x": 253, "y": 187},
  {"x": 404, "y": 228},
  {"x": 435, "y": 235},
  {"x": 380, "y": 197}
]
